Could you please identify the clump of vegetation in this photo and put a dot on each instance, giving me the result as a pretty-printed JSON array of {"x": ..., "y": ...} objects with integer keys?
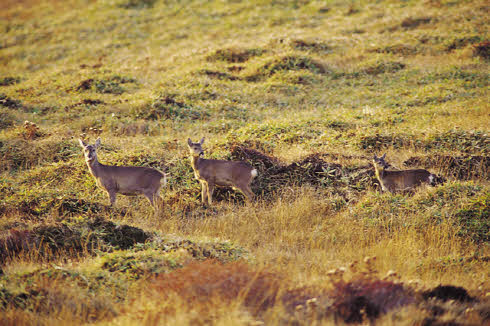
[
  {"x": 217, "y": 74},
  {"x": 466, "y": 142},
  {"x": 140, "y": 264},
  {"x": 23, "y": 154},
  {"x": 37, "y": 205},
  {"x": 284, "y": 63},
  {"x": 234, "y": 54},
  {"x": 477, "y": 142},
  {"x": 306, "y": 98},
  {"x": 410, "y": 22},
  {"x": 166, "y": 107},
  {"x": 211, "y": 281},
  {"x": 312, "y": 170},
  {"x": 457, "y": 167},
  {"x": 309, "y": 45},
  {"x": 8, "y": 102},
  {"x": 69, "y": 238},
  {"x": 7, "y": 81},
  {"x": 382, "y": 67},
  {"x": 136, "y": 4},
  {"x": 111, "y": 85},
  {"x": 482, "y": 49},
  {"x": 6, "y": 120},
  {"x": 474, "y": 219},
  {"x": 378, "y": 141},
  {"x": 394, "y": 211},
  {"x": 401, "y": 49},
  {"x": 460, "y": 42}
]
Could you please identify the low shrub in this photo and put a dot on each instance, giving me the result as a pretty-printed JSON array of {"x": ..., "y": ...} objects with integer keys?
[
  {"x": 167, "y": 108},
  {"x": 284, "y": 63},
  {"x": 234, "y": 54},
  {"x": 7, "y": 81},
  {"x": 69, "y": 239},
  {"x": 7, "y": 120},
  {"x": 201, "y": 283},
  {"x": 8, "y": 102},
  {"x": 382, "y": 67},
  {"x": 22, "y": 154},
  {"x": 458, "y": 167}
]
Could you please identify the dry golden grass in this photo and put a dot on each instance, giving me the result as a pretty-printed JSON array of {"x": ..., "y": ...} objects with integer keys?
[{"x": 333, "y": 82}]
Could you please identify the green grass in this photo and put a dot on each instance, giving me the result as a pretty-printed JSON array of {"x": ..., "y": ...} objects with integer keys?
[{"x": 305, "y": 91}]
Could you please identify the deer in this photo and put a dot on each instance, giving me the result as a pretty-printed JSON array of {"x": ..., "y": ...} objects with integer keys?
[
  {"x": 400, "y": 180},
  {"x": 125, "y": 180},
  {"x": 210, "y": 173}
]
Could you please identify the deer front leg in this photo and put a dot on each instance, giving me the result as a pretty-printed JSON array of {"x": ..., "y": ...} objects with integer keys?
[
  {"x": 112, "y": 196},
  {"x": 210, "y": 193},
  {"x": 204, "y": 192}
]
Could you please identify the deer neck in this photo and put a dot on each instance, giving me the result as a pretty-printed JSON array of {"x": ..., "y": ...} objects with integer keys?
[
  {"x": 94, "y": 167},
  {"x": 379, "y": 172},
  {"x": 195, "y": 160}
]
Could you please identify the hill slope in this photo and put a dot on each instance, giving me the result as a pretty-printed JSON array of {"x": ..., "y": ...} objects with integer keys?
[{"x": 307, "y": 92}]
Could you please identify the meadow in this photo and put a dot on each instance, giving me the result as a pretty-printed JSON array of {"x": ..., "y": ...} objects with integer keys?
[{"x": 306, "y": 92}]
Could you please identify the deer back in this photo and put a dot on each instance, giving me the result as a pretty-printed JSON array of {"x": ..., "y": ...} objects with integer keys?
[
  {"x": 129, "y": 179},
  {"x": 223, "y": 173},
  {"x": 405, "y": 179}
]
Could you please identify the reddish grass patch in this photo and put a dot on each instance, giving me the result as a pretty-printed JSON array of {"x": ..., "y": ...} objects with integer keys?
[{"x": 200, "y": 283}]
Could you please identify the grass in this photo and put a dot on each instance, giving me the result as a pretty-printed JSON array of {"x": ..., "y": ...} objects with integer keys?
[{"x": 305, "y": 91}]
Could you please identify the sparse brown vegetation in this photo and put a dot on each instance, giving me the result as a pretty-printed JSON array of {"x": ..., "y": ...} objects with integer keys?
[{"x": 306, "y": 92}]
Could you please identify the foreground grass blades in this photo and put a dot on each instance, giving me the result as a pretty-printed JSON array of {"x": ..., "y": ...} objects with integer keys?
[{"x": 306, "y": 92}]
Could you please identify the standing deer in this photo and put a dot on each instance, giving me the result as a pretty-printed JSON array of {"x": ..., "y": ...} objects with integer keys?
[
  {"x": 401, "y": 180},
  {"x": 235, "y": 174},
  {"x": 126, "y": 180}
]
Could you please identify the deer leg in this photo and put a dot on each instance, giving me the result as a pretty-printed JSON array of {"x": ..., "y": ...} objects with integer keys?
[
  {"x": 151, "y": 198},
  {"x": 210, "y": 193},
  {"x": 112, "y": 196},
  {"x": 155, "y": 200},
  {"x": 245, "y": 189},
  {"x": 204, "y": 192},
  {"x": 248, "y": 193}
]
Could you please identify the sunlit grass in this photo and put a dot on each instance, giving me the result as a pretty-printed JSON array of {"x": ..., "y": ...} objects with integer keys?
[{"x": 332, "y": 81}]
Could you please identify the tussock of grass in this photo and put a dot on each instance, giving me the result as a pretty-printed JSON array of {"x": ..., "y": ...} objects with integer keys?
[
  {"x": 306, "y": 92},
  {"x": 285, "y": 63},
  {"x": 167, "y": 108},
  {"x": 24, "y": 154},
  {"x": 472, "y": 142},
  {"x": 234, "y": 55},
  {"x": 457, "y": 167}
]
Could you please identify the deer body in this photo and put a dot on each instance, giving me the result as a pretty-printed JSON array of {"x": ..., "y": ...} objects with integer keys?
[
  {"x": 401, "y": 180},
  {"x": 211, "y": 173},
  {"x": 125, "y": 180}
]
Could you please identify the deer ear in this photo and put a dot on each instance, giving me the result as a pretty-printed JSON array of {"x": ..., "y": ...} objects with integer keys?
[
  {"x": 189, "y": 141},
  {"x": 383, "y": 157},
  {"x": 201, "y": 141},
  {"x": 374, "y": 157},
  {"x": 97, "y": 143},
  {"x": 82, "y": 143}
]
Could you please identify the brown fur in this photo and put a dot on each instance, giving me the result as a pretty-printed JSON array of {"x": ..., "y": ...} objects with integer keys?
[
  {"x": 125, "y": 180},
  {"x": 213, "y": 173},
  {"x": 401, "y": 180}
]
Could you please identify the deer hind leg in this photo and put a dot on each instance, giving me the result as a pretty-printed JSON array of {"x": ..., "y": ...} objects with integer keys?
[
  {"x": 151, "y": 196},
  {"x": 155, "y": 200},
  {"x": 249, "y": 195}
]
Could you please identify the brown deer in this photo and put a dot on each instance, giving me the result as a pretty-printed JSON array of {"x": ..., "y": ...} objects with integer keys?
[
  {"x": 400, "y": 180},
  {"x": 211, "y": 173},
  {"x": 125, "y": 180}
]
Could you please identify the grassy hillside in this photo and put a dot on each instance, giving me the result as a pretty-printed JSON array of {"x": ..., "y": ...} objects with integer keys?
[{"x": 307, "y": 92}]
